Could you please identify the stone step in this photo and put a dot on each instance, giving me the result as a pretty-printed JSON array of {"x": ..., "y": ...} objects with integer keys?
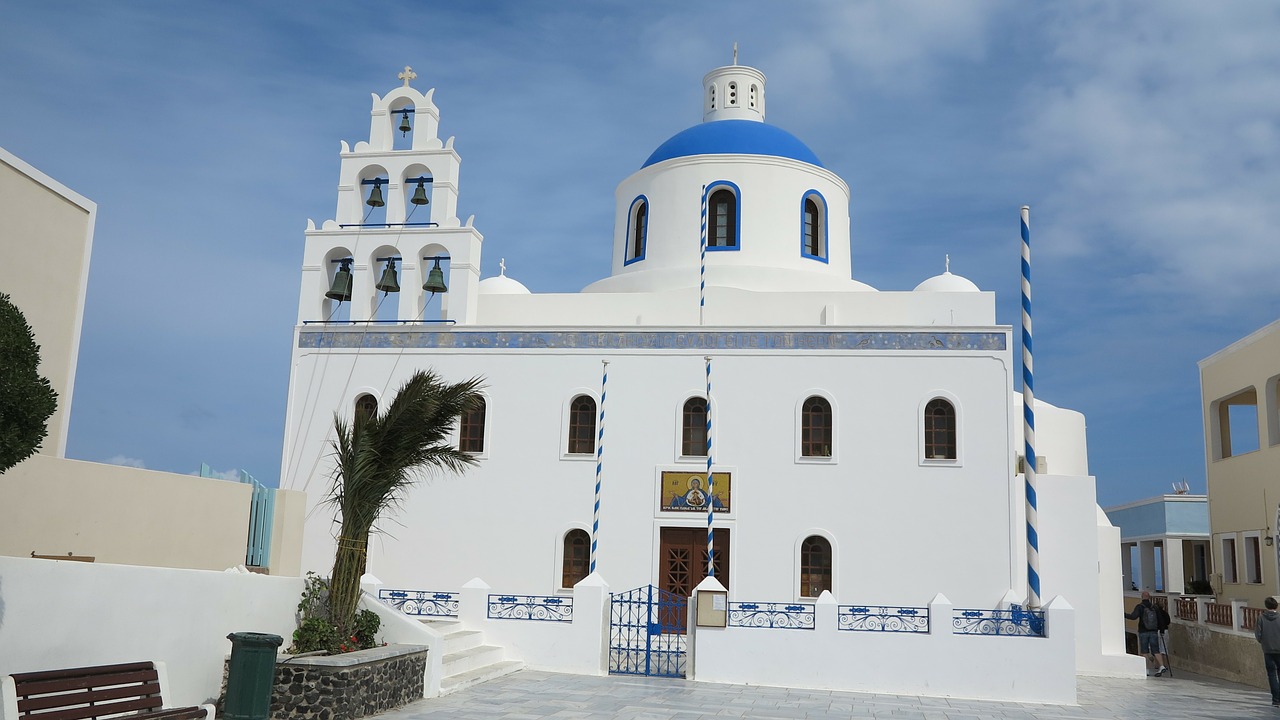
[
  {"x": 455, "y": 683},
  {"x": 470, "y": 659},
  {"x": 459, "y": 640}
]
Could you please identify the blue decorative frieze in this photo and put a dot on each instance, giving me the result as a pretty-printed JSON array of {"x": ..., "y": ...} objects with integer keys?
[
  {"x": 531, "y": 607},
  {"x": 1014, "y": 621},
  {"x": 640, "y": 340},
  {"x": 770, "y": 615},
  {"x": 883, "y": 618},
  {"x": 421, "y": 603}
]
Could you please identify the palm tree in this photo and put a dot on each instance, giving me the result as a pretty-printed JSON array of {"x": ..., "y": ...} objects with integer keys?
[{"x": 378, "y": 457}]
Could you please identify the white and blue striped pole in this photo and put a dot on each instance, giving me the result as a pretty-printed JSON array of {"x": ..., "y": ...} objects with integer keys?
[
  {"x": 595, "y": 520},
  {"x": 702, "y": 272},
  {"x": 711, "y": 488},
  {"x": 1029, "y": 420}
]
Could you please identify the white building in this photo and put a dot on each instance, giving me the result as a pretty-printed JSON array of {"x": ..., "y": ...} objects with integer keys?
[{"x": 865, "y": 442}]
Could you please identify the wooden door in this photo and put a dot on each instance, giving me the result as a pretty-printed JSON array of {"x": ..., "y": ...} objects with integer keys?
[{"x": 684, "y": 558}]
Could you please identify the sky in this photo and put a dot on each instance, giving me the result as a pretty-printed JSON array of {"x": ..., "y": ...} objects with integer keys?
[{"x": 1144, "y": 136}]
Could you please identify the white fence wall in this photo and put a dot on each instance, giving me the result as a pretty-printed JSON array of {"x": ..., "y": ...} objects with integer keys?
[
  {"x": 579, "y": 647},
  {"x": 58, "y": 614},
  {"x": 939, "y": 663}
]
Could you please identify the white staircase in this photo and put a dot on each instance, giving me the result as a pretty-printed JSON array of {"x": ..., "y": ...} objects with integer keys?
[{"x": 467, "y": 660}]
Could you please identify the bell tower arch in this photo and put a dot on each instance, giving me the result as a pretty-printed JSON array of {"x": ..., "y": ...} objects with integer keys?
[{"x": 397, "y": 193}]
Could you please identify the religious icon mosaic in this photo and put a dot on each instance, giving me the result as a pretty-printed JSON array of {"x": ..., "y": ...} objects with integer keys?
[{"x": 689, "y": 492}]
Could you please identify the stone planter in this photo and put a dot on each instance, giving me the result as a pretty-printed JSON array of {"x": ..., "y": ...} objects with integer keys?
[{"x": 348, "y": 686}]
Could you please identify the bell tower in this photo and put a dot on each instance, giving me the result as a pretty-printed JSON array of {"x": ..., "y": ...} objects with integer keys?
[
  {"x": 395, "y": 224},
  {"x": 733, "y": 92}
]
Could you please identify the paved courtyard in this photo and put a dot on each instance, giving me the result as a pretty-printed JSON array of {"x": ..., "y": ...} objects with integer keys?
[{"x": 529, "y": 694}]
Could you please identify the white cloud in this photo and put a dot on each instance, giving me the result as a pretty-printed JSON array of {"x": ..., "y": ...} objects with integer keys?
[
  {"x": 126, "y": 461},
  {"x": 1161, "y": 124}
]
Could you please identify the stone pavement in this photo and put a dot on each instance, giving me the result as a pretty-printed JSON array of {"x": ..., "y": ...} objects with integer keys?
[{"x": 528, "y": 694}]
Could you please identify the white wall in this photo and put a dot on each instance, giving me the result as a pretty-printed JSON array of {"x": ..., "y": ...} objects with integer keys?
[
  {"x": 59, "y": 614},
  {"x": 525, "y": 494},
  {"x": 116, "y": 514},
  {"x": 46, "y": 235}
]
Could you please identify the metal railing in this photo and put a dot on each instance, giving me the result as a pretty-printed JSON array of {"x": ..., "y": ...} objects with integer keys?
[
  {"x": 883, "y": 618},
  {"x": 1015, "y": 621},
  {"x": 531, "y": 607},
  {"x": 771, "y": 615},
  {"x": 421, "y": 603}
]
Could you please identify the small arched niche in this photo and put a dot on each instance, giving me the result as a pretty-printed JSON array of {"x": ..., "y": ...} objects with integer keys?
[
  {"x": 334, "y": 309},
  {"x": 402, "y": 118},
  {"x": 416, "y": 184},
  {"x": 433, "y": 307},
  {"x": 373, "y": 187}
]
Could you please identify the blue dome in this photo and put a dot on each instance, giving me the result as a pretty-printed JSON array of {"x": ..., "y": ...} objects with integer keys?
[{"x": 733, "y": 137}]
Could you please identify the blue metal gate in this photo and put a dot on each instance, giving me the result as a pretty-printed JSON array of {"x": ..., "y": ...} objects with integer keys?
[{"x": 647, "y": 632}]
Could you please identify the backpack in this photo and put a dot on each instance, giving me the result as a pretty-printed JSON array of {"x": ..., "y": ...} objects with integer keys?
[
  {"x": 1162, "y": 620},
  {"x": 1150, "y": 618}
]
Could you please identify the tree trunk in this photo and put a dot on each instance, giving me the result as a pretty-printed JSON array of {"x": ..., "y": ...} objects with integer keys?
[{"x": 344, "y": 585}]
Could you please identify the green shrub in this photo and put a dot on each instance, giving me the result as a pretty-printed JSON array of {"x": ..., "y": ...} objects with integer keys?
[{"x": 367, "y": 625}]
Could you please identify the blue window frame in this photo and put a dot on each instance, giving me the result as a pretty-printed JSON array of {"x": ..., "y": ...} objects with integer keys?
[
  {"x": 813, "y": 226},
  {"x": 637, "y": 238},
  {"x": 724, "y": 216}
]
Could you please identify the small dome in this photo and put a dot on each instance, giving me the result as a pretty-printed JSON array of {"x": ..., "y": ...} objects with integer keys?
[
  {"x": 502, "y": 285},
  {"x": 946, "y": 282},
  {"x": 733, "y": 137}
]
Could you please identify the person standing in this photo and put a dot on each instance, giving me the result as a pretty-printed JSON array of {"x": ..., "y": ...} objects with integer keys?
[
  {"x": 1267, "y": 631},
  {"x": 1148, "y": 617}
]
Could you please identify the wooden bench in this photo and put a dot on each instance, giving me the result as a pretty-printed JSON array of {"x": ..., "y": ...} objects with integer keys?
[{"x": 126, "y": 690}]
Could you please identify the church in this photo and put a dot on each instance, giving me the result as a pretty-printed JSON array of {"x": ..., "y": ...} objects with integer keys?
[{"x": 730, "y": 401}]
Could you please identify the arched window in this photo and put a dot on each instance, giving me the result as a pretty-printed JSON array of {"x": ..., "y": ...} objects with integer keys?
[
  {"x": 733, "y": 93},
  {"x": 637, "y": 230},
  {"x": 712, "y": 92},
  {"x": 582, "y": 425},
  {"x": 815, "y": 427},
  {"x": 813, "y": 226},
  {"x": 939, "y": 430},
  {"x": 471, "y": 429},
  {"x": 815, "y": 566},
  {"x": 693, "y": 428},
  {"x": 577, "y": 558},
  {"x": 751, "y": 98},
  {"x": 723, "y": 220},
  {"x": 366, "y": 406}
]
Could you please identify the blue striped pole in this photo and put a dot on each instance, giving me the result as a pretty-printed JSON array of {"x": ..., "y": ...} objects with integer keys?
[
  {"x": 595, "y": 520},
  {"x": 1029, "y": 419},
  {"x": 702, "y": 272},
  {"x": 711, "y": 488}
]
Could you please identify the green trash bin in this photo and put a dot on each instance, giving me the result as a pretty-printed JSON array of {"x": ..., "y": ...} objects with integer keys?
[{"x": 251, "y": 675}]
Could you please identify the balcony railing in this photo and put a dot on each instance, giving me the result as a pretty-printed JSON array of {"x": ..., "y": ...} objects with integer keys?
[
  {"x": 1218, "y": 614},
  {"x": 1187, "y": 609},
  {"x": 1249, "y": 617}
]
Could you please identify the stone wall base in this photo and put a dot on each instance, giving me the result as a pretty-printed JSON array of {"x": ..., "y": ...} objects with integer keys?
[
  {"x": 345, "y": 687},
  {"x": 1229, "y": 656}
]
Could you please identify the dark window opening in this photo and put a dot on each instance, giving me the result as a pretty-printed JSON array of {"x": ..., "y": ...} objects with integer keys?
[
  {"x": 582, "y": 425},
  {"x": 939, "y": 430},
  {"x": 693, "y": 434},
  {"x": 471, "y": 429}
]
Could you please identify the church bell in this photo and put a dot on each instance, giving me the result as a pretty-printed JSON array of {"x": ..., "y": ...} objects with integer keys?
[
  {"x": 435, "y": 279},
  {"x": 389, "y": 282},
  {"x": 340, "y": 290},
  {"x": 405, "y": 127},
  {"x": 375, "y": 196},
  {"x": 420, "y": 194}
]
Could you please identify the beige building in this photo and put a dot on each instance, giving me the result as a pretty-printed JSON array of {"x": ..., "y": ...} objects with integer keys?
[
  {"x": 1240, "y": 396},
  {"x": 55, "y": 507}
]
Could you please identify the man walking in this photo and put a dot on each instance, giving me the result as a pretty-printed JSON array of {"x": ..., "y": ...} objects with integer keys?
[
  {"x": 1267, "y": 631},
  {"x": 1148, "y": 617}
]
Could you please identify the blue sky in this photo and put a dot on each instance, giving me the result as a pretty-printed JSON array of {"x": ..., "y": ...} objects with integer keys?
[{"x": 1145, "y": 137}]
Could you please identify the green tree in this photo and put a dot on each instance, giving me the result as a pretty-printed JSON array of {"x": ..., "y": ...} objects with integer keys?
[
  {"x": 26, "y": 399},
  {"x": 378, "y": 457}
]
